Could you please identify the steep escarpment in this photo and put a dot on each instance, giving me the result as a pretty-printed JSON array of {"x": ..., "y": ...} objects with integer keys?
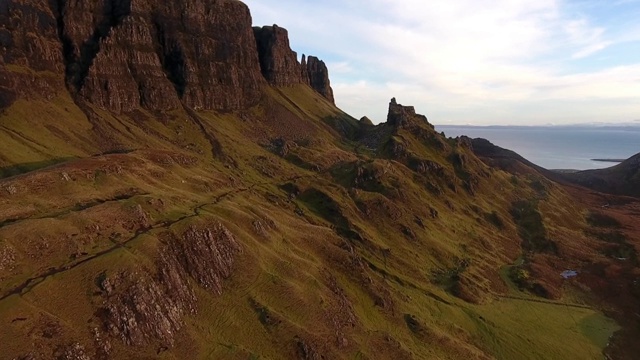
[
  {"x": 31, "y": 54},
  {"x": 154, "y": 55},
  {"x": 281, "y": 229},
  {"x": 280, "y": 64},
  {"x": 319, "y": 77},
  {"x": 120, "y": 55}
]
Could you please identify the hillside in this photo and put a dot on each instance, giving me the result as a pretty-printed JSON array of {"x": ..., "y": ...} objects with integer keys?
[
  {"x": 622, "y": 179},
  {"x": 176, "y": 184}
]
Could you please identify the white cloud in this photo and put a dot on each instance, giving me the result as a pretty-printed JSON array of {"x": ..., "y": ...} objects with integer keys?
[{"x": 464, "y": 60}]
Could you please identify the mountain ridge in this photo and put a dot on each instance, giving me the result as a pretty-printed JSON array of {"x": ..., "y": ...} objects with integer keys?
[{"x": 176, "y": 182}]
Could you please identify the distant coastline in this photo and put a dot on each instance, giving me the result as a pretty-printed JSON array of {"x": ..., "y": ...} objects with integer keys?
[
  {"x": 609, "y": 160},
  {"x": 620, "y": 126},
  {"x": 560, "y": 147}
]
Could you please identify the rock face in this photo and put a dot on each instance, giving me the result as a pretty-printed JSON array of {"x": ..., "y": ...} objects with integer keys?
[
  {"x": 140, "y": 308},
  {"x": 124, "y": 54},
  {"x": 401, "y": 116},
  {"x": 280, "y": 66},
  {"x": 139, "y": 52},
  {"x": 29, "y": 47},
  {"x": 366, "y": 121},
  {"x": 319, "y": 77}
]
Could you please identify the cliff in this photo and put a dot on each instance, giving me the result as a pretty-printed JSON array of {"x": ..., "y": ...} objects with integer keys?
[
  {"x": 280, "y": 66},
  {"x": 31, "y": 57},
  {"x": 319, "y": 77},
  {"x": 121, "y": 54},
  {"x": 124, "y": 54}
]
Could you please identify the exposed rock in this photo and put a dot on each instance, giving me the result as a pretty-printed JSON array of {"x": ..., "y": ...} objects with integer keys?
[
  {"x": 401, "y": 116},
  {"x": 30, "y": 53},
  {"x": 122, "y": 54},
  {"x": 279, "y": 64},
  {"x": 366, "y": 121},
  {"x": 73, "y": 352},
  {"x": 307, "y": 351},
  {"x": 207, "y": 255},
  {"x": 304, "y": 73},
  {"x": 282, "y": 146},
  {"x": 139, "y": 308},
  {"x": 7, "y": 258},
  {"x": 206, "y": 49},
  {"x": 319, "y": 77},
  {"x": 102, "y": 344},
  {"x": 426, "y": 167}
]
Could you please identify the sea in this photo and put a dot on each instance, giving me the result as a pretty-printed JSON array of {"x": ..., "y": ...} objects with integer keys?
[{"x": 559, "y": 147}]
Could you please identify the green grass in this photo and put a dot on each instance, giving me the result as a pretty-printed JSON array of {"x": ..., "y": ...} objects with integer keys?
[
  {"x": 601, "y": 220},
  {"x": 522, "y": 329},
  {"x": 298, "y": 277},
  {"x": 531, "y": 227}
]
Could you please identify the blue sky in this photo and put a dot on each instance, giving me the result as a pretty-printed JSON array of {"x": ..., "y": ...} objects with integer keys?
[{"x": 519, "y": 62}]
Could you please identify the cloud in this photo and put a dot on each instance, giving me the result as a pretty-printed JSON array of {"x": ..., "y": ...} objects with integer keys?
[{"x": 467, "y": 60}]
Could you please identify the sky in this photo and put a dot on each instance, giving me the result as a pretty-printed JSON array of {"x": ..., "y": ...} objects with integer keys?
[{"x": 479, "y": 62}]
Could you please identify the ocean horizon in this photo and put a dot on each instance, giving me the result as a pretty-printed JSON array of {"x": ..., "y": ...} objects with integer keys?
[{"x": 558, "y": 147}]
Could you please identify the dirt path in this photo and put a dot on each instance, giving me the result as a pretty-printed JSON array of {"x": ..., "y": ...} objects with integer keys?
[{"x": 28, "y": 285}]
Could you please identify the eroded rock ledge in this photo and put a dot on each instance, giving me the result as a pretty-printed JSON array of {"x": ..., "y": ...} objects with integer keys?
[{"x": 141, "y": 307}]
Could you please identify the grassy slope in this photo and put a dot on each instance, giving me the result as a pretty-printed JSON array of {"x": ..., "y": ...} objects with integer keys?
[{"x": 368, "y": 271}]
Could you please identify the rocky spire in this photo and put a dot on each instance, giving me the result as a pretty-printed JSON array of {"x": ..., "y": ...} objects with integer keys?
[
  {"x": 319, "y": 77},
  {"x": 278, "y": 63},
  {"x": 402, "y": 116}
]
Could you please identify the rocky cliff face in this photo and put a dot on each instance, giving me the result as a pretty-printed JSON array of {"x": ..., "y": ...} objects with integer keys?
[
  {"x": 319, "y": 77},
  {"x": 280, "y": 64},
  {"x": 29, "y": 49},
  {"x": 123, "y": 54}
]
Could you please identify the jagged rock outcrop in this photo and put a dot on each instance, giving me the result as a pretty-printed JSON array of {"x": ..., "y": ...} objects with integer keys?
[
  {"x": 30, "y": 53},
  {"x": 207, "y": 255},
  {"x": 153, "y": 54},
  {"x": 280, "y": 66},
  {"x": 123, "y": 54},
  {"x": 319, "y": 77},
  {"x": 140, "y": 307},
  {"x": 401, "y": 116}
]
